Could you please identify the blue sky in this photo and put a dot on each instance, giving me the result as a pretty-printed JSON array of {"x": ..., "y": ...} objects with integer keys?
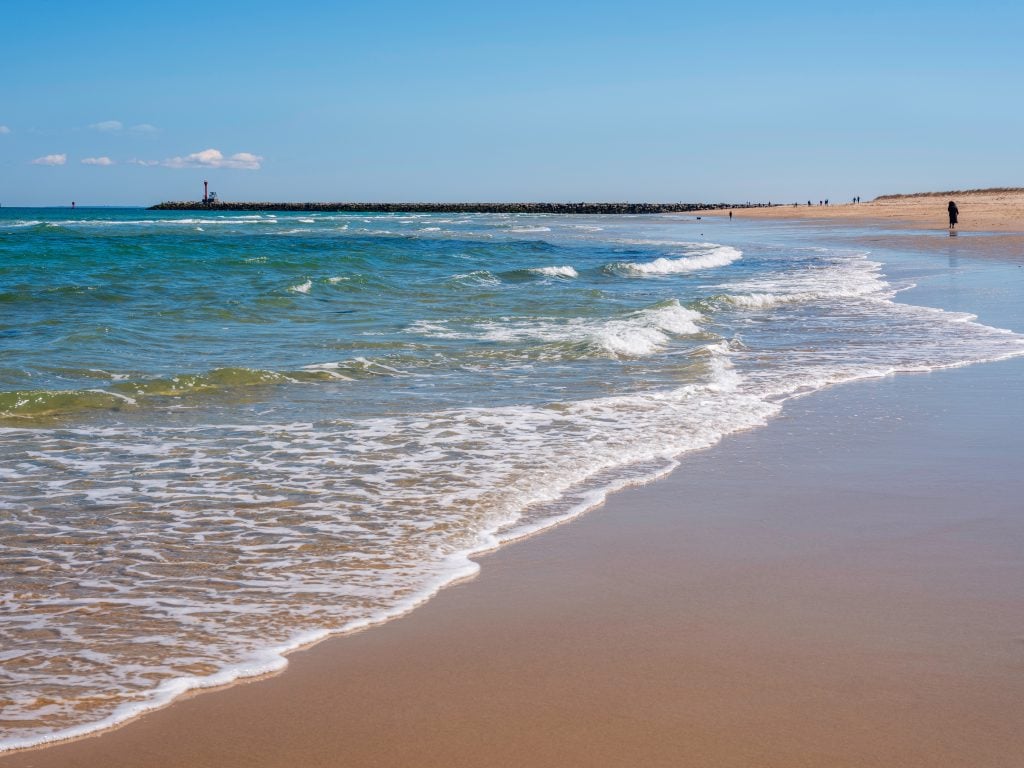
[{"x": 122, "y": 103}]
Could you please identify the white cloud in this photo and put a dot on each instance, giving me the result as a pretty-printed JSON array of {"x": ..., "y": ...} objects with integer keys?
[
  {"x": 50, "y": 160},
  {"x": 97, "y": 161},
  {"x": 116, "y": 126},
  {"x": 146, "y": 163},
  {"x": 214, "y": 158},
  {"x": 108, "y": 126},
  {"x": 4, "y": 129}
]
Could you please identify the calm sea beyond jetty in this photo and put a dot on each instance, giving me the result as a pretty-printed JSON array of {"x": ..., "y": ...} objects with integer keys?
[{"x": 575, "y": 208}]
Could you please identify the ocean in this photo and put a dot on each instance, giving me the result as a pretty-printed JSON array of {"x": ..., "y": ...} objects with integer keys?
[{"x": 225, "y": 436}]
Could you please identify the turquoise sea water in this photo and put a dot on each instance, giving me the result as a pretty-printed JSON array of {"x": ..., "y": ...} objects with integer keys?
[{"x": 223, "y": 436}]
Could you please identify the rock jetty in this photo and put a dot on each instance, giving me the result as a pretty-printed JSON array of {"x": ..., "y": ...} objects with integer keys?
[{"x": 590, "y": 208}]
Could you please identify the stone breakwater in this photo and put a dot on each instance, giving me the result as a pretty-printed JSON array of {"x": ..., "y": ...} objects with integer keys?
[{"x": 588, "y": 208}]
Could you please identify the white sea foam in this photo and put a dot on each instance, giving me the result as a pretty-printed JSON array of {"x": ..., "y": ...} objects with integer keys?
[
  {"x": 565, "y": 271},
  {"x": 184, "y": 221},
  {"x": 481, "y": 470},
  {"x": 478, "y": 277},
  {"x": 854, "y": 276},
  {"x": 703, "y": 256},
  {"x": 302, "y": 287},
  {"x": 356, "y": 364},
  {"x": 636, "y": 334}
]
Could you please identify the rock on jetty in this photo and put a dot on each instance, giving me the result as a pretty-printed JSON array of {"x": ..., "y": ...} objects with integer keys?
[{"x": 449, "y": 207}]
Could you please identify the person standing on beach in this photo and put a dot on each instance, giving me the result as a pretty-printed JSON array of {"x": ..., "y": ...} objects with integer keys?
[
  {"x": 730, "y": 214},
  {"x": 954, "y": 213}
]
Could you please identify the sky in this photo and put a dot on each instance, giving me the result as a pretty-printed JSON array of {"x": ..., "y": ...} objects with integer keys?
[{"x": 118, "y": 103}]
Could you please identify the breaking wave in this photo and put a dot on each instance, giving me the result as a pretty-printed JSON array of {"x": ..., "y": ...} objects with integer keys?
[{"x": 693, "y": 261}]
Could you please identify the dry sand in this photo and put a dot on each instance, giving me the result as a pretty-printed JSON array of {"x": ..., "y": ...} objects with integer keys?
[
  {"x": 841, "y": 588},
  {"x": 980, "y": 211}
]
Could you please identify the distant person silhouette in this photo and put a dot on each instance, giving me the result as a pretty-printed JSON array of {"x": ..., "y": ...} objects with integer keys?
[
  {"x": 730, "y": 214},
  {"x": 954, "y": 214}
]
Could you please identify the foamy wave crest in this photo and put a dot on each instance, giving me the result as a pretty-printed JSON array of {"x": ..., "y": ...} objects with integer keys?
[
  {"x": 186, "y": 221},
  {"x": 358, "y": 365},
  {"x": 637, "y": 334},
  {"x": 555, "y": 271},
  {"x": 850, "y": 278},
  {"x": 302, "y": 287},
  {"x": 713, "y": 256},
  {"x": 478, "y": 277}
]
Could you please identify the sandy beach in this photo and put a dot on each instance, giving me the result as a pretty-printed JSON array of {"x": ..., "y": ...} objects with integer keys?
[
  {"x": 840, "y": 588},
  {"x": 980, "y": 211}
]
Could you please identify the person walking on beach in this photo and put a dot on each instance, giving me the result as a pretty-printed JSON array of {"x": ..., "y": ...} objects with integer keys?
[
  {"x": 730, "y": 214},
  {"x": 954, "y": 213}
]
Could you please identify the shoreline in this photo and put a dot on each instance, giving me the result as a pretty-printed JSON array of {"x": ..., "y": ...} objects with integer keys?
[
  {"x": 548, "y": 618},
  {"x": 275, "y": 660},
  {"x": 616, "y": 506}
]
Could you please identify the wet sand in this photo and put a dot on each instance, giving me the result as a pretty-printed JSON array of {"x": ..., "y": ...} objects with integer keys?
[
  {"x": 983, "y": 211},
  {"x": 844, "y": 587}
]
